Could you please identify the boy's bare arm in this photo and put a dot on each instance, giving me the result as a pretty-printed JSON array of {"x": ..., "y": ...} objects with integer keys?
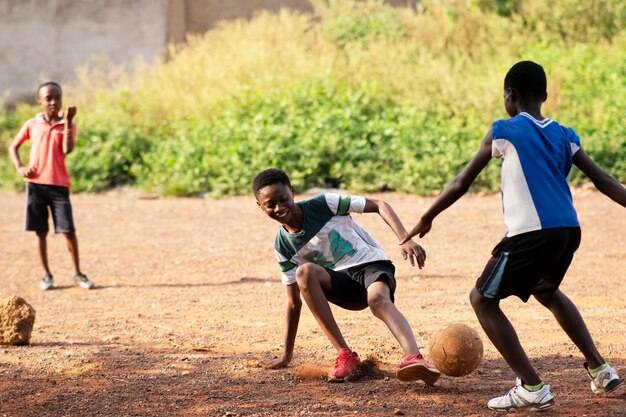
[
  {"x": 24, "y": 171},
  {"x": 409, "y": 249},
  {"x": 455, "y": 189},
  {"x": 68, "y": 136},
  {"x": 605, "y": 183},
  {"x": 292, "y": 318}
]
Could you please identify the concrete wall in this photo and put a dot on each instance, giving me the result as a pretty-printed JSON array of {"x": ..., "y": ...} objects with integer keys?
[
  {"x": 47, "y": 39},
  {"x": 201, "y": 15},
  {"x": 198, "y": 16}
]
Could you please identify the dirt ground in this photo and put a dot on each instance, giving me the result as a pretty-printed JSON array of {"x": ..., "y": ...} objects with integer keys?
[{"x": 189, "y": 301}]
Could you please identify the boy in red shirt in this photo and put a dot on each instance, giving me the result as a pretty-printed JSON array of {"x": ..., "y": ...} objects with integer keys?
[{"x": 53, "y": 135}]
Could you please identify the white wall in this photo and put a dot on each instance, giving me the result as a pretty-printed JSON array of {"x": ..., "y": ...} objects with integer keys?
[{"x": 46, "y": 39}]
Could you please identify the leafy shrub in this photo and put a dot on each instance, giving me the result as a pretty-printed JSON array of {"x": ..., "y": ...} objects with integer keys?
[
  {"x": 359, "y": 95},
  {"x": 349, "y": 21}
]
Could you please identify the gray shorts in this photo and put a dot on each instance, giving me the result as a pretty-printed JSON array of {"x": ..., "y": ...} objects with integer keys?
[
  {"x": 350, "y": 285},
  {"x": 41, "y": 196}
]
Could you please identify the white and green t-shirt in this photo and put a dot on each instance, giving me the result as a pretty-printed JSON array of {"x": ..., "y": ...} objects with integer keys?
[{"x": 329, "y": 237}]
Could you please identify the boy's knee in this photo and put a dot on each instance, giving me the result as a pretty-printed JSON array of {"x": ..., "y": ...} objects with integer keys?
[
  {"x": 477, "y": 300},
  {"x": 481, "y": 304},
  {"x": 545, "y": 299},
  {"x": 377, "y": 301},
  {"x": 41, "y": 234},
  {"x": 306, "y": 272}
]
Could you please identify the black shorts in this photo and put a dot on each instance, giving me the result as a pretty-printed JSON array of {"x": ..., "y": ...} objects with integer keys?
[
  {"x": 530, "y": 263},
  {"x": 350, "y": 285},
  {"x": 38, "y": 198}
]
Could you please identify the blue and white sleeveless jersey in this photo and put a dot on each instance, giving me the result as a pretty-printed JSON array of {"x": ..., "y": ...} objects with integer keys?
[
  {"x": 536, "y": 166},
  {"x": 329, "y": 237}
]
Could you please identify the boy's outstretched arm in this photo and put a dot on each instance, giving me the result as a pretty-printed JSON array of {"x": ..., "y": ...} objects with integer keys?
[
  {"x": 292, "y": 318},
  {"x": 411, "y": 250},
  {"x": 605, "y": 183},
  {"x": 455, "y": 189}
]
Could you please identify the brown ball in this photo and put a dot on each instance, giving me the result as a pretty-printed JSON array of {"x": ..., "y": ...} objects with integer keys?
[{"x": 456, "y": 350}]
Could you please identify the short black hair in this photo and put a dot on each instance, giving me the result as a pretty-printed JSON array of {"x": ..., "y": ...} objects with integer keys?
[
  {"x": 528, "y": 79},
  {"x": 268, "y": 177},
  {"x": 47, "y": 83}
]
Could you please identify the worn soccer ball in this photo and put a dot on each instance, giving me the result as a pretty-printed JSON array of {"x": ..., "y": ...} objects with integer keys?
[{"x": 456, "y": 350}]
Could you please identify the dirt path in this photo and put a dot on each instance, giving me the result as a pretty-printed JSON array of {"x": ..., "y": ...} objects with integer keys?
[{"x": 189, "y": 300}]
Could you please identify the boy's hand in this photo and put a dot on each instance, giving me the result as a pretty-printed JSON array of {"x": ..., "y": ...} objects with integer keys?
[
  {"x": 70, "y": 113},
  {"x": 26, "y": 172},
  {"x": 421, "y": 229},
  {"x": 414, "y": 252},
  {"x": 276, "y": 363}
]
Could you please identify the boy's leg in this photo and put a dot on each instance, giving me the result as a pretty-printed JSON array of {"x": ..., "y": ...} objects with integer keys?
[
  {"x": 43, "y": 250},
  {"x": 503, "y": 336},
  {"x": 37, "y": 202},
  {"x": 604, "y": 378},
  {"x": 46, "y": 282},
  {"x": 314, "y": 281},
  {"x": 72, "y": 246},
  {"x": 414, "y": 366},
  {"x": 378, "y": 299},
  {"x": 61, "y": 209},
  {"x": 570, "y": 320}
]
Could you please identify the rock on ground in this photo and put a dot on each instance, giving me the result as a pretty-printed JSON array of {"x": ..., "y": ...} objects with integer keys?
[{"x": 16, "y": 321}]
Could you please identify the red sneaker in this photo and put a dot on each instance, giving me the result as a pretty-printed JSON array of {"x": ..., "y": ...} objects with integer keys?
[
  {"x": 415, "y": 367},
  {"x": 345, "y": 363}
]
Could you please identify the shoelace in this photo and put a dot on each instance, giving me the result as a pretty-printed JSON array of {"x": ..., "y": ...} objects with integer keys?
[
  {"x": 512, "y": 394},
  {"x": 341, "y": 360}
]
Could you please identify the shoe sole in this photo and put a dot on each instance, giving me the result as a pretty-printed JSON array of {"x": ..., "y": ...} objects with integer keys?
[
  {"x": 416, "y": 372},
  {"x": 533, "y": 407},
  {"x": 87, "y": 287}
]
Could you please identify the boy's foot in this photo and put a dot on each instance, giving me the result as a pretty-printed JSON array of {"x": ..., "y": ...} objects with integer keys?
[
  {"x": 345, "y": 364},
  {"x": 415, "y": 367},
  {"x": 46, "y": 282},
  {"x": 605, "y": 380},
  {"x": 519, "y": 398},
  {"x": 82, "y": 280}
]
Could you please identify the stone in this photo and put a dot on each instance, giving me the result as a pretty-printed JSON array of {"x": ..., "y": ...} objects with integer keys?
[{"x": 17, "y": 318}]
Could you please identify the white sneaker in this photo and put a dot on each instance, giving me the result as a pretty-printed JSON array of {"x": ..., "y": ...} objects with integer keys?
[
  {"x": 605, "y": 380},
  {"x": 519, "y": 398},
  {"x": 82, "y": 280},
  {"x": 46, "y": 282}
]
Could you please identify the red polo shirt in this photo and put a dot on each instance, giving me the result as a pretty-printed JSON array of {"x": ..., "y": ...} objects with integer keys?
[{"x": 46, "y": 155}]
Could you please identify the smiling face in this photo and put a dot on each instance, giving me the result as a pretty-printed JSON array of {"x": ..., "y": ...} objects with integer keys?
[
  {"x": 276, "y": 200},
  {"x": 50, "y": 98}
]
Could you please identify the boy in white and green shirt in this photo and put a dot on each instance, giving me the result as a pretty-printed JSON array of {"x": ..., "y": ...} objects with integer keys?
[{"x": 325, "y": 256}]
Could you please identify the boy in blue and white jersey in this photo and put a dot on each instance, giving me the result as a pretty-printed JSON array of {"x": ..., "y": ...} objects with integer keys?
[
  {"x": 537, "y": 156},
  {"x": 325, "y": 256}
]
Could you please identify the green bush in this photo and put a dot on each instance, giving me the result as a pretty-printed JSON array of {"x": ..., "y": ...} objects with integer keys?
[
  {"x": 358, "y": 95},
  {"x": 359, "y": 21}
]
